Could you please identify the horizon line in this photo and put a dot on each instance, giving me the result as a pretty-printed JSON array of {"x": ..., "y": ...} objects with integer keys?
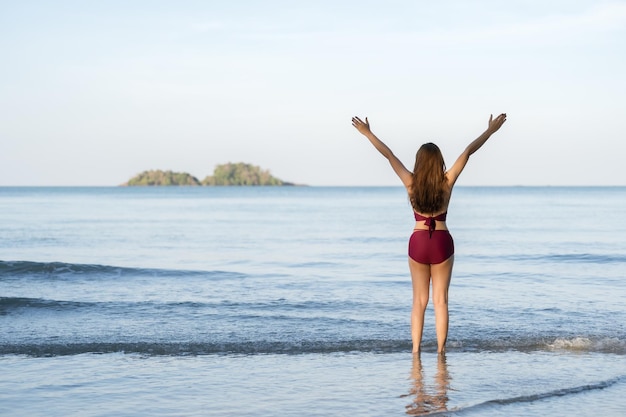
[{"x": 312, "y": 186}]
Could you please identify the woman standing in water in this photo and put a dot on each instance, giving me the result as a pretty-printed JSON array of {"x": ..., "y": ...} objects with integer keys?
[{"x": 431, "y": 248}]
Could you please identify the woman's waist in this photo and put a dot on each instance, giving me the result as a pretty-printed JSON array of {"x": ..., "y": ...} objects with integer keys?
[{"x": 440, "y": 226}]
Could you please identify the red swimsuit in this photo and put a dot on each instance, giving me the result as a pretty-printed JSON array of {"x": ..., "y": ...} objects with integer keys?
[{"x": 431, "y": 246}]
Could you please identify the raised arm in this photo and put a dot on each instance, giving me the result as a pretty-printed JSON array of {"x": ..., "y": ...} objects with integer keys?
[
  {"x": 400, "y": 170},
  {"x": 494, "y": 124}
]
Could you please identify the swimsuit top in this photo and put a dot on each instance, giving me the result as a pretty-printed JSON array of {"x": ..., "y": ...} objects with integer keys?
[{"x": 431, "y": 221}]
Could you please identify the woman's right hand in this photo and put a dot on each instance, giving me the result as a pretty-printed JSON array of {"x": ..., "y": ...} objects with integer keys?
[
  {"x": 495, "y": 124},
  {"x": 362, "y": 126}
]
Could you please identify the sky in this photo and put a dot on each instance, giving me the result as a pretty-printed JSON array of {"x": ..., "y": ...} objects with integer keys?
[{"x": 92, "y": 93}]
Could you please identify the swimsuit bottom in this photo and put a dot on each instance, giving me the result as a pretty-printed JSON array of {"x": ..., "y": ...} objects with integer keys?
[{"x": 434, "y": 247}]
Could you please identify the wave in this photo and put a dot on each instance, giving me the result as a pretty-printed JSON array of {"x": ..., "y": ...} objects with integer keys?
[
  {"x": 590, "y": 343},
  {"x": 8, "y": 304},
  {"x": 18, "y": 269},
  {"x": 284, "y": 347},
  {"x": 206, "y": 348},
  {"x": 586, "y": 344},
  {"x": 590, "y": 258},
  {"x": 280, "y": 306},
  {"x": 535, "y": 397}
]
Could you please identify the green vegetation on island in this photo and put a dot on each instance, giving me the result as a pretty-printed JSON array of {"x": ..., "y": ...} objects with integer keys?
[
  {"x": 158, "y": 177},
  {"x": 241, "y": 174},
  {"x": 226, "y": 174}
]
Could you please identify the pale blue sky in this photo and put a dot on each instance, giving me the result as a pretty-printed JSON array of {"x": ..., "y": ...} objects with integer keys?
[{"x": 92, "y": 93}]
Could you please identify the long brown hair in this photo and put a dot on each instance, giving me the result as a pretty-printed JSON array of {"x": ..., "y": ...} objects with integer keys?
[{"x": 429, "y": 189}]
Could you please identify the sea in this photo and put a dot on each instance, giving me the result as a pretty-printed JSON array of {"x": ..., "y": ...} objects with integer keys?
[{"x": 295, "y": 301}]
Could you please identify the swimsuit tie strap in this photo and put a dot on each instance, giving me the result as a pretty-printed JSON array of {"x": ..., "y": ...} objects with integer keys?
[{"x": 431, "y": 223}]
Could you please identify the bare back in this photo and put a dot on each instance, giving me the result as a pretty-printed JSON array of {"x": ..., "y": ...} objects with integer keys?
[{"x": 440, "y": 224}]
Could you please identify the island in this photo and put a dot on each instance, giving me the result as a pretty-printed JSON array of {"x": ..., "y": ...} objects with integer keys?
[
  {"x": 237, "y": 174},
  {"x": 158, "y": 177}
]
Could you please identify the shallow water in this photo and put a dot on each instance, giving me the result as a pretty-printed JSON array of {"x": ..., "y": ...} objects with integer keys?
[{"x": 465, "y": 384}]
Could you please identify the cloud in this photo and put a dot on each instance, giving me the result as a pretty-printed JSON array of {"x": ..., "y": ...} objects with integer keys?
[
  {"x": 209, "y": 26},
  {"x": 553, "y": 27},
  {"x": 544, "y": 29}
]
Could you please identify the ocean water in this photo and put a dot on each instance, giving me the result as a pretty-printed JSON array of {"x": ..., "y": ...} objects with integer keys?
[{"x": 285, "y": 301}]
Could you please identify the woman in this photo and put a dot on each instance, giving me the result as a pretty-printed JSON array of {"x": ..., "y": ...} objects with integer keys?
[{"x": 431, "y": 248}]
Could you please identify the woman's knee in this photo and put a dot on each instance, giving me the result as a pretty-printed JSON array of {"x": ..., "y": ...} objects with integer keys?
[
  {"x": 420, "y": 304},
  {"x": 440, "y": 300},
  {"x": 440, "y": 304}
]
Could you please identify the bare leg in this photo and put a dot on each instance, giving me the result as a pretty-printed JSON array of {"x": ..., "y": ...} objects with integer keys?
[
  {"x": 441, "y": 276},
  {"x": 420, "y": 277}
]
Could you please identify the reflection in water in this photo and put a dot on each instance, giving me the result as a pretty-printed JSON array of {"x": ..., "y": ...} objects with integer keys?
[{"x": 428, "y": 398}]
